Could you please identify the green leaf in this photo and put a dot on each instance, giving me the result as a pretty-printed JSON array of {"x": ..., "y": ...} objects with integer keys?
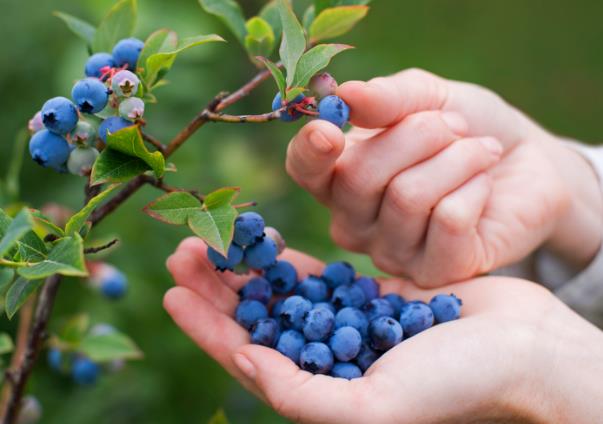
[
  {"x": 65, "y": 258},
  {"x": 320, "y": 5},
  {"x": 336, "y": 21},
  {"x": 76, "y": 222},
  {"x": 230, "y": 14},
  {"x": 129, "y": 141},
  {"x": 158, "y": 64},
  {"x": 75, "y": 329},
  {"x": 79, "y": 27},
  {"x": 109, "y": 347},
  {"x": 44, "y": 225},
  {"x": 270, "y": 14},
  {"x": 308, "y": 18},
  {"x": 14, "y": 167},
  {"x": 259, "y": 40},
  {"x": 113, "y": 167},
  {"x": 173, "y": 208},
  {"x": 214, "y": 223},
  {"x": 159, "y": 41},
  {"x": 293, "y": 43},
  {"x": 117, "y": 24},
  {"x": 18, "y": 294},
  {"x": 293, "y": 92},
  {"x": 31, "y": 247},
  {"x": 276, "y": 74},
  {"x": 6, "y": 343},
  {"x": 219, "y": 418},
  {"x": 314, "y": 60},
  {"x": 19, "y": 226},
  {"x": 6, "y": 278}
]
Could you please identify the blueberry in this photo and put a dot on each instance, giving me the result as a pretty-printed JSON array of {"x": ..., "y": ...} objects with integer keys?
[
  {"x": 261, "y": 254},
  {"x": 249, "y": 228},
  {"x": 327, "y": 305},
  {"x": 126, "y": 52},
  {"x": 97, "y": 62},
  {"x": 294, "y": 311},
  {"x": 265, "y": 332},
  {"x": 338, "y": 273},
  {"x": 323, "y": 85},
  {"x": 396, "y": 301},
  {"x": 258, "y": 288},
  {"x": 55, "y": 359},
  {"x": 83, "y": 132},
  {"x": 273, "y": 233},
  {"x": 316, "y": 358},
  {"x": 282, "y": 277},
  {"x": 131, "y": 108},
  {"x": 59, "y": 115},
  {"x": 277, "y": 308},
  {"x": 111, "y": 125},
  {"x": 113, "y": 284},
  {"x": 345, "y": 343},
  {"x": 352, "y": 317},
  {"x": 318, "y": 324},
  {"x": 378, "y": 308},
  {"x": 385, "y": 333},
  {"x": 81, "y": 160},
  {"x": 49, "y": 150},
  {"x": 366, "y": 357},
  {"x": 313, "y": 288},
  {"x": 334, "y": 110},
  {"x": 90, "y": 95},
  {"x": 290, "y": 344},
  {"x": 125, "y": 84},
  {"x": 348, "y": 295},
  {"x": 346, "y": 370},
  {"x": 84, "y": 371},
  {"x": 250, "y": 311},
  {"x": 369, "y": 286},
  {"x": 235, "y": 257},
  {"x": 290, "y": 114},
  {"x": 445, "y": 307},
  {"x": 415, "y": 317},
  {"x": 36, "y": 124}
]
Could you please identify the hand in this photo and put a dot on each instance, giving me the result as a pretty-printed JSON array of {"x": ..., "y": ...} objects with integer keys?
[
  {"x": 516, "y": 354},
  {"x": 442, "y": 180}
]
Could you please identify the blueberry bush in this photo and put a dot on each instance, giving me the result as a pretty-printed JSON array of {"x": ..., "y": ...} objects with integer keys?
[{"x": 97, "y": 132}]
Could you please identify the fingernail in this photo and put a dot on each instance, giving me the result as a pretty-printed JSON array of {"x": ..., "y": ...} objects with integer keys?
[
  {"x": 244, "y": 365},
  {"x": 455, "y": 122},
  {"x": 320, "y": 142},
  {"x": 492, "y": 145}
]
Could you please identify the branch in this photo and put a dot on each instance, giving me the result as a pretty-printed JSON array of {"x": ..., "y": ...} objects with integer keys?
[
  {"x": 242, "y": 119},
  {"x": 153, "y": 141},
  {"x": 91, "y": 250}
]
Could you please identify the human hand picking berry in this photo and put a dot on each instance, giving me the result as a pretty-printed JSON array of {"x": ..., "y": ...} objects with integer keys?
[{"x": 442, "y": 180}]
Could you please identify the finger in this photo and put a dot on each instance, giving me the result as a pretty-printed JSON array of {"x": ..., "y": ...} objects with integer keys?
[
  {"x": 311, "y": 157},
  {"x": 382, "y": 102},
  {"x": 411, "y": 196},
  {"x": 300, "y": 395}
]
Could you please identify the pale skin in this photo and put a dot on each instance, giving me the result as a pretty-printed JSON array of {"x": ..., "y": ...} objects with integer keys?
[
  {"x": 441, "y": 180},
  {"x": 516, "y": 355}
]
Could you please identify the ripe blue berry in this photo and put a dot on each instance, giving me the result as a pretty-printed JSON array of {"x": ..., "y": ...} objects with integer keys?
[
  {"x": 294, "y": 311},
  {"x": 290, "y": 344},
  {"x": 318, "y": 324},
  {"x": 316, "y": 358},
  {"x": 248, "y": 312},
  {"x": 35, "y": 124},
  {"x": 258, "y": 288},
  {"x": 81, "y": 160},
  {"x": 265, "y": 332},
  {"x": 314, "y": 289},
  {"x": 366, "y": 357},
  {"x": 235, "y": 257},
  {"x": 261, "y": 254},
  {"x": 345, "y": 343},
  {"x": 396, "y": 301},
  {"x": 352, "y": 317},
  {"x": 59, "y": 115},
  {"x": 249, "y": 228},
  {"x": 290, "y": 114},
  {"x": 84, "y": 371},
  {"x": 327, "y": 305},
  {"x": 90, "y": 95},
  {"x": 348, "y": 295},
  {"x": 346, "y": 370},
  {"x": 338, "y": 273},
  {"x": 113, "y": 284},
  {"x": 96, "y": 62},
  {"x": 277, "y": 308},
  {"x": 55, "y": 358},
  {"x": 369, "y": 286},
  {"x": 131, "y": 108},
  {"x": 334, "y": 110},
  {"x": 378, "y": 308},
  {"x": 126, "y": 52},
  {"x": 111, "y": 125},
  {"x": 125, "y": 84},
  {"x": 83, "y": 132},
  {"x": 415, "y": 317},
  {"x": 385, "y": 333},
  {"x": 49, "y": 150},
  {"x": 445, "y": 307},
  {"x": 282, "y": 277},
  {"x": 323, "y": 85}
]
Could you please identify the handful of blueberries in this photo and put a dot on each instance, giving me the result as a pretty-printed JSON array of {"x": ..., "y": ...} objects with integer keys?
[{"x": 336, "y": 323}]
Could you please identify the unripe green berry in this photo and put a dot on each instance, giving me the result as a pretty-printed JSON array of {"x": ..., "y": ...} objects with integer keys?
[
  {"x": 125, "y": 84},
  {"x": 323, "y": 85},
  {"x": 81, "y": 160},
  {"x": 131, "y": 108},
  {"x": 84, "y": 132}
]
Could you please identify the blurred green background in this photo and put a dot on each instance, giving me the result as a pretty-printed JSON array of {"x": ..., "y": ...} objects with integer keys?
[{"x": 542, "y": 56}]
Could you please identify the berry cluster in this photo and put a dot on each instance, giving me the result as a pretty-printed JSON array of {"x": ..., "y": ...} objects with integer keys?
[
  {"x": 323, "y": 104},
  {"x": 66, "y": 132},
  {"x": 336, "y": 323}
]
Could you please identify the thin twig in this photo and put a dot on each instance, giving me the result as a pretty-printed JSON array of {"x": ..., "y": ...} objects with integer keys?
[
  {"x": 96, "y": 249},
  {"x": 242, "y": 119},
  {"x": 153, "y": 141}
]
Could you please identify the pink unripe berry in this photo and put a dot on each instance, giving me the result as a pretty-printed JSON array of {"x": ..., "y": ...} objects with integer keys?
[{"x": 323, "y": 85}]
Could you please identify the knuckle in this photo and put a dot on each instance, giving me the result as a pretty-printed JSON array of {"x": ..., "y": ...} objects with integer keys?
[
  {"x": 350, "y": 181},
  {"x": 407, "y": 196},
  {"x": 423, "y": 124},
  {"x": 452, "y": 217}
]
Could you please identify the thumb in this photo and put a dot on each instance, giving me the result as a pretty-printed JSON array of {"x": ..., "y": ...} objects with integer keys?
[{"x": 385, "y": 101}]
